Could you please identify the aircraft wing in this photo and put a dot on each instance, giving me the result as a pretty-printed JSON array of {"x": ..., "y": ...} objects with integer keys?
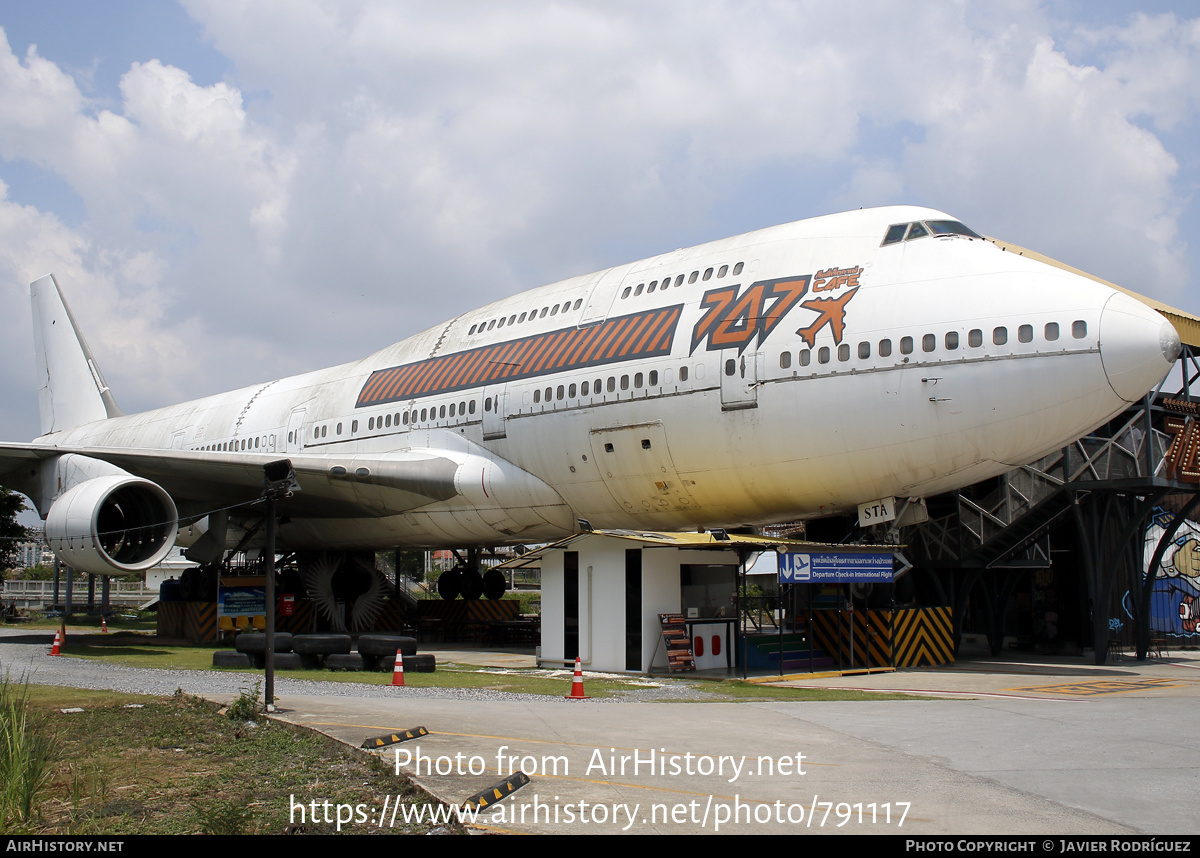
[{"x": 331, "y": 487}]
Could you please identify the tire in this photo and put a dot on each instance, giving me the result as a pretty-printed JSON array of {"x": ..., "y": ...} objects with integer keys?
[
  {"x": 447, "y": 584},
  {"x": 387, "y": 645},
  {"x": 229, "y": 658},
  {"x": 422, "y": 662},
  {"x": 495, "y": 585},
  {"x": 257, "y": 642},
  {"x": 471, "y": 585},
  {"x": 344, "y": 661},
  {"x": 288, "y": 661},
  {"x": 320, "y": 644}
]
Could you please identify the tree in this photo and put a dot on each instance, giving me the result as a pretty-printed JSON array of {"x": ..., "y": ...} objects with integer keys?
[{"x": 11, "y": 531}]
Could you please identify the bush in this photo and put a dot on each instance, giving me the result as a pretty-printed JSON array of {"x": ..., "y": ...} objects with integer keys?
[{"x": 27, "y": 754}]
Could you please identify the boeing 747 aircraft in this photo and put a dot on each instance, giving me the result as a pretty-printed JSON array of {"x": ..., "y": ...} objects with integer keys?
[{"x": 791, "y": 372}]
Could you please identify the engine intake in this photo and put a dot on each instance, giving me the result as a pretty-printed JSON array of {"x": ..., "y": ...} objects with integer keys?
[{"x": 112, "y": 525}]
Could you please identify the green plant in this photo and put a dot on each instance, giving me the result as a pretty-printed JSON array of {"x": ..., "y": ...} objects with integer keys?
[
  {"x": 27, "y": 754},
  {"x": 245, "y": 707}
]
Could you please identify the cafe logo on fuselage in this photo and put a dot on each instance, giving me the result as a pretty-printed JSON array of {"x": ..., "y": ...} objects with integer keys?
[{"x": 737, "y": 319}]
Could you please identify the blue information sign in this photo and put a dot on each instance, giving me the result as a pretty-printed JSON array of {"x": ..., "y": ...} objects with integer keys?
[
  {"x": 834, "y": 567},
  {"x": 241, "y": 601}
]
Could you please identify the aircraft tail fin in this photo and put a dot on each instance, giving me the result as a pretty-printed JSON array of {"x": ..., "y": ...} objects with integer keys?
[{"x": 71, "y": 390}]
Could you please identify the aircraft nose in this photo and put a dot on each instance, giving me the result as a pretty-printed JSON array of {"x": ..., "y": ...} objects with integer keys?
[{"x": 1138, "y": 346}]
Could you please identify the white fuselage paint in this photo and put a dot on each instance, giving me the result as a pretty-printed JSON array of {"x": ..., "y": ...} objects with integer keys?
[{"x": 777, "y": 440}]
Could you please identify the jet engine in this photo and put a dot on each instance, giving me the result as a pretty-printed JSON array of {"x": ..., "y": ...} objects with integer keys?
[{"x": 112, "y": 525}]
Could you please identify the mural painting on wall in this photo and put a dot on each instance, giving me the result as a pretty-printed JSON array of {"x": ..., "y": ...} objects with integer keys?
[{"x": 1175, "y": 603}]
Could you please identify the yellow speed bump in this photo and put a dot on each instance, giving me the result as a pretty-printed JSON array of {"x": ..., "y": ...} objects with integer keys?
[
  {"x": 394, "y": 738},
  {"x": 495, "y": 793}
]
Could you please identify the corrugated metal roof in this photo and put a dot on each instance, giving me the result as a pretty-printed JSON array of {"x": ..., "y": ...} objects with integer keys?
[{"x": 1186, "y": 324}]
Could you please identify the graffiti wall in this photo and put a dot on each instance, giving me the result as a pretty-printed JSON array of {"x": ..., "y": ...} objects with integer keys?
[{"x": 1175, "y": 604}]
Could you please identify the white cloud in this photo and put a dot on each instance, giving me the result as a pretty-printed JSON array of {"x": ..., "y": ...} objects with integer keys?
[{"x": 371, "y": 169}]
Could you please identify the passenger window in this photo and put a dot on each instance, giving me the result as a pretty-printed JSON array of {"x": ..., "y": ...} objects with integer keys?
[
  {"x": 549, "y": 394},
  {"x": 823, "y": 354},
  {"x": 571, "y": 392},
  {"x": 353, "y": 428},
  {"x": 339, "y": 429},
  {"x": 502, "y": 321},
  {"x": 537, "y": 395},
  {"x": 542, "y": 314},
  {"x": 471, "y": 406},
  {"x": 708, "y": 274},
  {"x": 612, "y": 383},
  {"x": 864, "y": 351},
  {"x": 683, "y": 373},
  {"x": 737, "y": 269},
  {"x": 885, "y": 348},
  {"x": 451, "y": 409},
  {"x": 624, "y": 382},
  {"x": 638, "y": 290},
  {"x": 730, "y": 366},
  {"x": 561, "y": 392},
  {"x": 951, "y": 340},
  {"x": 442, "y": 412},
  {"x": 584, "y": 388},
  {"x": 1000, "y": 336},
  {"x": 722, "y": 271},
  {"x": 844, "y": 351},
  {"x": 554, "y": 310},
  {"x": 906, "y": 345},
  {"x": 387, "y": 421},
  {"x": 512, "y": 320},
  {"x": 637, "y": 380},
  {"x": 370, "y": 425},
  {"x": 1079, "y": 329},
  {"x": 975, "y": 338},
  {"x": 491, "y": 324},
  {"x": 578, "y": 303},
  {"x": 1025, "y": 334},
  {"x": 692, "y": 279},
  {"x": 653, "y": 285},
  {"x": 472, "y": 330},
  {"x": 522, "y": 319},
  {"x": 1051, "y": 331},
  {"x": 805, "y": 357},
  {"x": 425, "y": 414},
  {"x": 653, "y": 378},
  {"x": 785, "y": 360},
  {"x": 928, "y": 343}
]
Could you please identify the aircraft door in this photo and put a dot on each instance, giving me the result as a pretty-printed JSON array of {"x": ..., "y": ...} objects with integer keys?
[
  {"x": 739, "y": 379},
  {"x": 493, "y": 413},
  {"x": 295, "y": 432}
]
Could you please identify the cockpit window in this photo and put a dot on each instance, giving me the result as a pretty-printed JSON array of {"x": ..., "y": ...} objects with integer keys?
[
  {"x": 895, "y": 233},
  {"x": 951, "y": 227},
  {"x": 916, "y": 231}
]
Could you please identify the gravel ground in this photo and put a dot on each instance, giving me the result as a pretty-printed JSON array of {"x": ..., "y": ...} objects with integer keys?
[{"x": 25, "y": 654}]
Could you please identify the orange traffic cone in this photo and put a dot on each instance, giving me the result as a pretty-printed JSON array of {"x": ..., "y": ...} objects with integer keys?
[
  {"x": 577, "y": 684},
  {"x": 54, "y": 650},
  {"x": 398, "y": 671},
  {"x": 103, "y": 626}
]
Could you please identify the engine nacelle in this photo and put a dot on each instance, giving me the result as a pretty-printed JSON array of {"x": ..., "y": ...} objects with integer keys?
[{"x": 112, "y": 525}]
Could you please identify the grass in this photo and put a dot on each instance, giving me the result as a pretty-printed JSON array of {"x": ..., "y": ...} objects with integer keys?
[
  {"x": 176, "y": 766},
  {"x": 131, "y": 651},
  {"x": 121, "y": 621}
]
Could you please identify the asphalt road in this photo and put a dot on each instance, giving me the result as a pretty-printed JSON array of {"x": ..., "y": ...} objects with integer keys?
[{"x": 1015, "y": 749}]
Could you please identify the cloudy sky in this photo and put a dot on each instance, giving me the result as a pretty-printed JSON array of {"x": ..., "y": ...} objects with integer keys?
[{"x": 232, "y": 192}]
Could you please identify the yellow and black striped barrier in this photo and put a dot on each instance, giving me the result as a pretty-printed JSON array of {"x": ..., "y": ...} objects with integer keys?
[
  {"x": 496, "y": 792},
  {"x": 393, "y": 738}
]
